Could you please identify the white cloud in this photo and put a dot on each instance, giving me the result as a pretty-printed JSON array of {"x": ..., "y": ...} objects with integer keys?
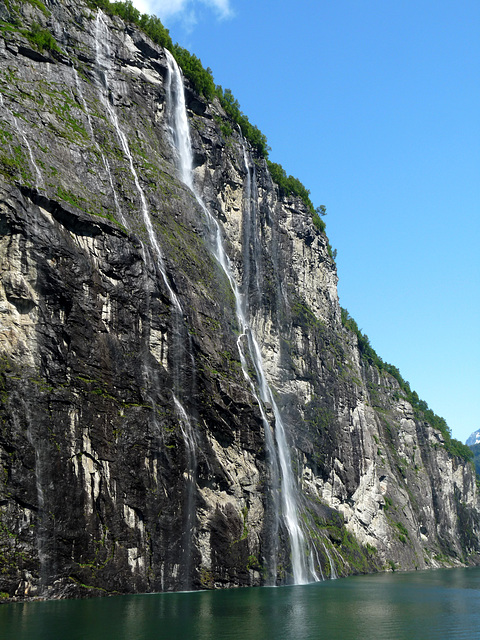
[
  {"x": 183, "y": 10},
  {"x": 222, "y": 7},
  {"x": 142, "y": 5}
]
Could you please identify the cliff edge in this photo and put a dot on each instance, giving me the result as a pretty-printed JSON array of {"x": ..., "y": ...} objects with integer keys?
[{"x": 181, "y": 405}]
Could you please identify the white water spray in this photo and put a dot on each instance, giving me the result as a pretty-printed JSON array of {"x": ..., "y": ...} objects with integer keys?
[
  {"x": 103, "y": 60},
  {"x": 39, "y": 179},
  {"x": 97, "y": 146},
  {"x": 178, "y": 121},
  {"x": 333, "y": 572},
  {"x": 181, "y": 338},
  {"x": 303, "y": 571}
]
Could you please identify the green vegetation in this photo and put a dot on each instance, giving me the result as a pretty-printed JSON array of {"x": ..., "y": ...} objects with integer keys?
[
  {"x": 192, "y": 69},
  {"x": 88, "y": 586},
  {"x": 207, "y": 580},
  {"x": 347, "y": 554},
  {"x": 319, "y": 222},
  {"x": 151, "y": 25},
  {"x": 290, "y": 186},
  {"x": 102, "y": 554},
  {"x": 39, "y": 5},
  {"x": 41, "y": 39},
  {"x": 420, "y": 407},
  {"x": 11, "y": 166},
  {"x": 303, "y": 316},
  {"x": 402, "y": 532},
  {"x": 388, "y": 503},
  {"x": 253, "y": 563},
  {"x": 203, "y": 82},
  {"x": 252, "y": 133}
]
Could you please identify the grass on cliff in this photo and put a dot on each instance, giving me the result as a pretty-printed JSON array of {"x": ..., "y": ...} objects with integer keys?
[
  {"x": 420, "y": 407},
  {"x": 41, "y": 39},
  {"x": 203, "y": 82}
]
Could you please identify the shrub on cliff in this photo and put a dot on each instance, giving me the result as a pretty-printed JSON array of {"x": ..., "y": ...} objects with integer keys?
[
  {"x": 41, "y": 39},
  {"x": 252, "y": 133},
  {"x": 202, "y": 81},
  {"x": 192, "y": 69},
  {"x": 420, "y": 407},
  {"x": 290, "y": 186}
]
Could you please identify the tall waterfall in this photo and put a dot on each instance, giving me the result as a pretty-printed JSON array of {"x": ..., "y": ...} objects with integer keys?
[
  {"x": 103, "y": 63},
  {"x": 39, "y": 182},
  {"x": 251, "y": 286},
  {"x": 182, "y": 360},
  {"x": 98, "y": 148},
  {"x": 286, "y": 504}
]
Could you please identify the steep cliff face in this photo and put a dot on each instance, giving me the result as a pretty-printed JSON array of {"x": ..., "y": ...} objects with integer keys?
[{"x": 139, "y": 450}]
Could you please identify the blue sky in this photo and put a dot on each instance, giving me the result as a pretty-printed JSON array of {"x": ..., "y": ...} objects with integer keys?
[{"x": 375, "y": 106}]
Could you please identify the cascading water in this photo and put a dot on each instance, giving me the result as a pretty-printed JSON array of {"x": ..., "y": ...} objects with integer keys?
[
  {"x": 279, "y": 454},
  {"x": 178, "y": 121},
  {"x": 103, "y": 61},
  {"x": 189, "y": 520},
  {"x": 97, "y": 146},
  {"x": 39, "y": 179},
  {"x": 182, "y": 358},
  {"x": 251, "y": 252},
  {"x": 38, "y": 445},
  {"x": 333, "y": 572}
]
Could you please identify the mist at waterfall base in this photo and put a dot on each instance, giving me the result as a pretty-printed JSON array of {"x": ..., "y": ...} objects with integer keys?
[
  {"x": 431, "y": 605},
  {"x": 374, "y": 107}
]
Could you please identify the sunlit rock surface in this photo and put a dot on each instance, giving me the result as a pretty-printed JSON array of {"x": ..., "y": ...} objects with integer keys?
[{"x": 106, "y": 486}]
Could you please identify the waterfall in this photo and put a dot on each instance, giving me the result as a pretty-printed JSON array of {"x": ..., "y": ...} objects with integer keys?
[
  {"x": 43, "y": 534},
  {"x": 279, "y": 454},
  {"x": 189, "y": 520},
  {"x": 99, "y": 151},
  {"x": 103, "y": 62},
  {"x": 251, "y": 251},
  {"x": 178, "y": 121},
  {"x": 39, "y": 179},
  {"x": 333, "y": 572},
  {"x": 182, "y": 358}
]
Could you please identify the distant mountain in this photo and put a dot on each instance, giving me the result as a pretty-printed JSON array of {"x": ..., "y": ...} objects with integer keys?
[
  {"x": 473, "y": 439},
  {"x": 474, "y": 443}
]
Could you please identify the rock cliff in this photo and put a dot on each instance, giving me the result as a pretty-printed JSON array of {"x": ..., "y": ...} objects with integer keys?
[{"x": 160, "y": 335}]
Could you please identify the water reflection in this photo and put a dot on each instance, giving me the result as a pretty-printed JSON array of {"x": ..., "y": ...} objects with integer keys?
[{"x": 427, "y": 605}]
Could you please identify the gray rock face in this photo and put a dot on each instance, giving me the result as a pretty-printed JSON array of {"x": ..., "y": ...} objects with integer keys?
[{"x": 132, "y": 446}]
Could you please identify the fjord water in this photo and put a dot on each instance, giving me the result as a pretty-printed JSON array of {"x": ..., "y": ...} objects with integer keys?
[{"x": 427, "y": 605}]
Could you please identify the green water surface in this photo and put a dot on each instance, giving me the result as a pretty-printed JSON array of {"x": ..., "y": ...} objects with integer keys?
[{"x": 442, "y": 604}]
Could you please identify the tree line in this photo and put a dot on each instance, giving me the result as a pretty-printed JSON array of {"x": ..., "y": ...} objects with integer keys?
[
  {"x": 203, "y": 83},
  {"x": 420, "y": 407}
]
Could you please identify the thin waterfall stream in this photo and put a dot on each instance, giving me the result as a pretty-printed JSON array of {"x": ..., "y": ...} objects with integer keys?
[
  {"x": 97, "y": 147},
  {"x": 38, "y": 446},
  {"x": 276, "y": 441},
  {"x": 251, "y": 252},
  {"x": 39, "y": 182},
  {"x": 182, "y": 359},
  {"x": 103, "y": 62}
]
